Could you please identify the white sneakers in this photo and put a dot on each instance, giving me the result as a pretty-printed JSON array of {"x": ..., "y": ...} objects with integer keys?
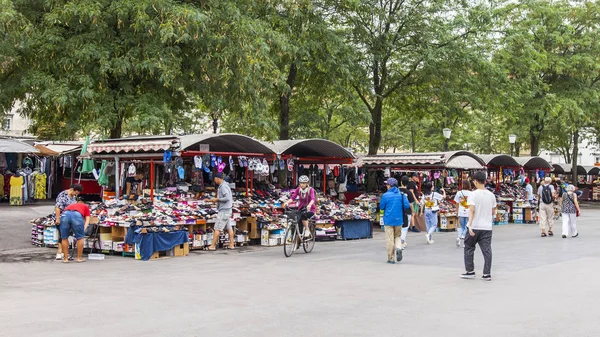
[
  {"x": 428, "y": 238},
  {"x": 458, "y": 242},
  {"x": 60, "y": 256}
]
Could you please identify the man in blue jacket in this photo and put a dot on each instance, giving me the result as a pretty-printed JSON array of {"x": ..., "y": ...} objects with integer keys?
[{"x": 393, "y": 203}]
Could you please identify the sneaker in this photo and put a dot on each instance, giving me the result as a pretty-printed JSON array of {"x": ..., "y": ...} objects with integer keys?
[
  {"x": 431, "y": 241},
  {"x": 576, "y": 235},
  {"x": 415, "y": 230},
  {"x": 468, "y": 275},
  {"x": 427, "y": 238},
  {"x": 462, "y": 243},
  {"x": 457, "y": 242},
  {"x": 398, "y": 254},
  {"x": 59, "y": 256},
  {"x": 391, "y": 262},
  {"x": 564, "y": 236},
  {"x": 486, "y": 278},
  {"x": 404, "y": 245}
]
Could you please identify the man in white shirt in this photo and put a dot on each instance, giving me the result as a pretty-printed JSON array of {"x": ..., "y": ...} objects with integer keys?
[{"x": 482, "y": 210}]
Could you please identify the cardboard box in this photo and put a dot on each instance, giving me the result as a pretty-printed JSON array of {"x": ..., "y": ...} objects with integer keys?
[
  {"x": 517, "y": 211},
  {"x": 518, "y": 217},
  {"x": 254, "y": 231},
  {"x": 118, "y": 246},
  {"x": 529, "y": 214},
  {"x": 448, "y": 222},
  {"x": 118, "y": 233},
  {"x": 182, "y": 250},
  {"x": 106, "y": 245},
  {"x": 264, "y": 237},
  {"x": 273, "y": 242}
]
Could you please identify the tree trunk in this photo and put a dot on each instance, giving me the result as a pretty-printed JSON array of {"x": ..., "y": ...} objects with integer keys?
[
  {"x": 517, "y": 150},
  {"x": 215, "y": 124},
  {"x": 375, "y": 127},
  {"x": 534, "y": 142},
  {"x": 575, "y": 155},
  {"x": 117, "y": 128},
  {"x": 284, "y": 104}
]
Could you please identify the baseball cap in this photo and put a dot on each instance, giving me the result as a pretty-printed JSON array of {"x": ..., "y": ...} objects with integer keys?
[
  {"x": 392, "y": 182},
  {"x": 219, "y": 175}
]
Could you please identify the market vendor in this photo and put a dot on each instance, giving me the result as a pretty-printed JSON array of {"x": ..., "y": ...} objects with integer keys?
[
  {"x": 307, "y": 198},
  {"x": 224, "y": 202},
  {"x": 63, "y": 200},
  {"x": 75, "y": 218},
  {"x": 132, "y": 188}
]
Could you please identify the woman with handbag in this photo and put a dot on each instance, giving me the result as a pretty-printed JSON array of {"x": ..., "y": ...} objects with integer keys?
[
  {"x": 430, "y": 207},
  {"x": 570, "y": 212}
]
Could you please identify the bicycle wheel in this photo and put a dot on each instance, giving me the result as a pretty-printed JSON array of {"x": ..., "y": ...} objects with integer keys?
[
  {"x": 309, "y": 243},
  {"x": 289, "y": 243}
]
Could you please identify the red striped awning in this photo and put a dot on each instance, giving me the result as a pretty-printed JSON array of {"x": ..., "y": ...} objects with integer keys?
[{"x": 131, "y": 146}]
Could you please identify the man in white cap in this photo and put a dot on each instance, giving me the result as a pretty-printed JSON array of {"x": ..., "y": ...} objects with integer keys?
[{"x": 546, "y": 197}]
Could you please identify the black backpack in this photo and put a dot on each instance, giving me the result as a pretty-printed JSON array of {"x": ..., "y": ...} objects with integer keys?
[{"x": 546, "y": 195}]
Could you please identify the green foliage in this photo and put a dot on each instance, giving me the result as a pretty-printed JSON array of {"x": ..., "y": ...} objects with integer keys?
[{"x": 372, "y": 75}]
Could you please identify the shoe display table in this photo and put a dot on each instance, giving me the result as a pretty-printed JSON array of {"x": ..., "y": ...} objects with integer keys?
[{"x": 150, "y": 243}]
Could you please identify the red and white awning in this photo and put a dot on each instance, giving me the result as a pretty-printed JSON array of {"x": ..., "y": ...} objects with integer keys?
[{"x": 131, "y": 146}]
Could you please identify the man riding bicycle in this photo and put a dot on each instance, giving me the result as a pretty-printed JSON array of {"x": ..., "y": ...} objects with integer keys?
[{"x": 307, "y": 199}]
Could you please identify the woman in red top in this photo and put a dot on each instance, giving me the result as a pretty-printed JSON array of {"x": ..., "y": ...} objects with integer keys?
[{"x": 75, "y": 217}]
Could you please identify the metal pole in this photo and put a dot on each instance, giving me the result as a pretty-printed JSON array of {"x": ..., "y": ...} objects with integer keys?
[
  {"x": 325, "y": 179},
  {"x": 152, "y": 180},
  {"x": 446, "y": 145},
  {"x": 117, "y": 177}
]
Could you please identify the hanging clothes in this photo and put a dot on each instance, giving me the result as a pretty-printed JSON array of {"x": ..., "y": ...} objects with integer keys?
[
  {"x": 40, "y": 186},
  {"x": 7, "y": 177},
  {"x": 1, "y": 186},
  {"x": 103, "y": 179},
  {"x": 16, "y": 191}
]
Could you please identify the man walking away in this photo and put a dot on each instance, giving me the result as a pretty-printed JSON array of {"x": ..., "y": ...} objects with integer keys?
[
  {"x": 546, "y": 205},
  {"x": 482, "y": 210},
  {"x": 224, "y": 202},
  {"x": 408, "y": 214},
  {"x": 393, "y": 203}
]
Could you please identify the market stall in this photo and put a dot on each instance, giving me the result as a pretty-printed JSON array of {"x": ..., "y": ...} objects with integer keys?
[
  {"x": 504, "y": 174},
  {"x": 323, "y": 162},
  {"x": 22, "y": 178},
  {"x": 444, "y": 169},
  {"x": 535, "y": 168},
  {"x": 180, "y": 180},
  {"x": 593, "y": 187}
]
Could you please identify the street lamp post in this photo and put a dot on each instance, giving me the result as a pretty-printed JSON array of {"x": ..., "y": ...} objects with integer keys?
[
  {"x": 468, "y": 146},
  {"x": 512, "y": 139},
  {"x": 447, "y": 132}
]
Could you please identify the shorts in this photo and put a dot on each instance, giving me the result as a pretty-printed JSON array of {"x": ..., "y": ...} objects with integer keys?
[
  {"x": 305, "y": 216},
  {"x": 223, "y": 221},
  {"x": 71, "y": 221},
  {"x": 415, "y": 207}
]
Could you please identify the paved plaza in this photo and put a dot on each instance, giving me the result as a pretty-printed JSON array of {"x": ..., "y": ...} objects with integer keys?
[{"x": 541, "y": 287}]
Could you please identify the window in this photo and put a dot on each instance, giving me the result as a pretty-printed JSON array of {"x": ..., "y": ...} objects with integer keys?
[{"x": 6, "y": 124}]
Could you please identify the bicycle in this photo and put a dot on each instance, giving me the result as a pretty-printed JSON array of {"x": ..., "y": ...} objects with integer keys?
[{"x": 293, "y": 238}]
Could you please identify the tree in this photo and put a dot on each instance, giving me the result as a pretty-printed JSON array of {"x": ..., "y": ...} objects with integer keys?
[{"x": 394, "y": 40}]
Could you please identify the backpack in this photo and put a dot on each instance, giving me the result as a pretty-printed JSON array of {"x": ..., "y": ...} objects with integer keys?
[{"x": 546, "y": 195}]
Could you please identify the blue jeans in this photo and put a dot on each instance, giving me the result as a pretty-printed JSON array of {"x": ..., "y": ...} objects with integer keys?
[
  {"x": 71, "y": 221},
  {"x": 431, "y": 219},
  {"x": 462, "y": 230}
]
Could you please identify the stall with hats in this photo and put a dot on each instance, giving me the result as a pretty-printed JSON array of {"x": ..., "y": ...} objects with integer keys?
[
  {"x": 533, "y": 170},
  {"x": 443, "y": 169}
]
